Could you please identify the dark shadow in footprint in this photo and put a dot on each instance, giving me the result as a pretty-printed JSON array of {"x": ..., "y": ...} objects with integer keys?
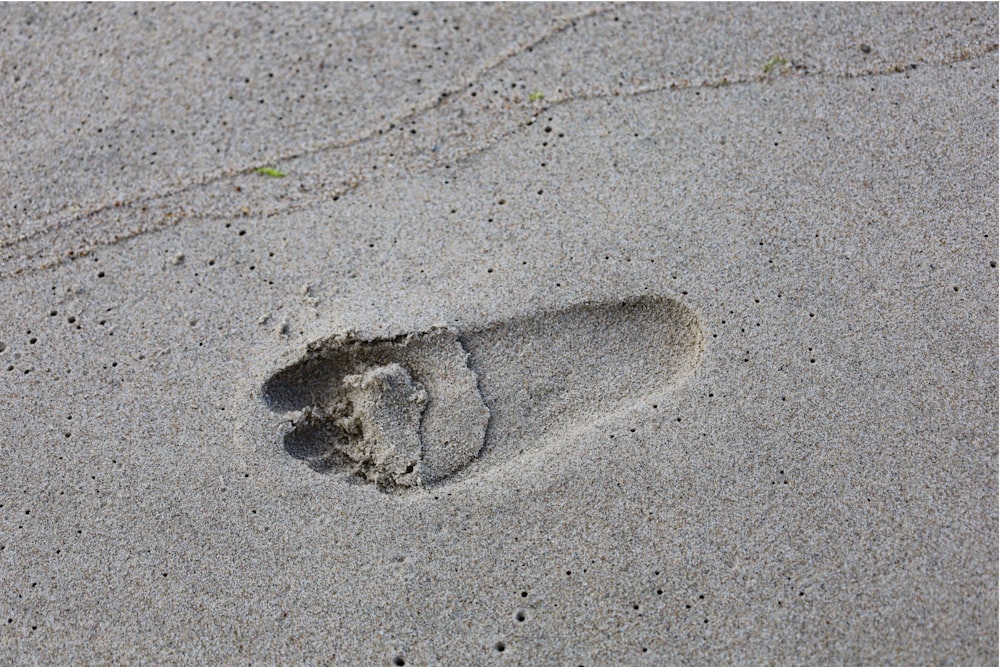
[{"x": 424, "y": 407}]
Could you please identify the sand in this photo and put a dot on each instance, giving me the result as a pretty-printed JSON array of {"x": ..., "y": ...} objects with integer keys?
[{"x": 550, "y": 334}]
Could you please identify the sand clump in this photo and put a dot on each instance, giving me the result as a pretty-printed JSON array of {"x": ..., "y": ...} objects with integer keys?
[{"x": 381, "y": 412}]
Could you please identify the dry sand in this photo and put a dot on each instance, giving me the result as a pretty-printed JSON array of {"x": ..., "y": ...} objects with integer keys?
[{"x": 572, "y": 335}]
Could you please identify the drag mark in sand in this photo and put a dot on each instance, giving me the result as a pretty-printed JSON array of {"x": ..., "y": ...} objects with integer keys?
[
  {"x": 212, "y": 198},
  {"x": 436, "y": 406},
  {"x": 63, "y": 239}
]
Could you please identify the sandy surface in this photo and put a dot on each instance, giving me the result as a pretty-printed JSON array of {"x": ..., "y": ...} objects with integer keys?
[{"x": 573, "y": 335}]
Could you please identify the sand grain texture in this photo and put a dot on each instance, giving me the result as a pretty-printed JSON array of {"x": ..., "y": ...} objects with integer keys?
[{"x": 600, "y": 334}]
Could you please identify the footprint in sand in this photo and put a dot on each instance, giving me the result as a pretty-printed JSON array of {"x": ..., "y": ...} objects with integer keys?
[{"x": 427, "y": 407}]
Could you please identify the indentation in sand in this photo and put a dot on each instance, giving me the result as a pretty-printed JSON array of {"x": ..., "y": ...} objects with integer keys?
[
  {"x": 402, "y": 412},
  {"x": 428, "y": 407}
]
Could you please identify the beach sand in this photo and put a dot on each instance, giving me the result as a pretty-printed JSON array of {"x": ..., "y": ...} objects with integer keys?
[{"x": 549, "y": 334}]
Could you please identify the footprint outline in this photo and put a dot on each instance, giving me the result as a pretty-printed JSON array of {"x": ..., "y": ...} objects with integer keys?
[{"x": 540, "y": 376}]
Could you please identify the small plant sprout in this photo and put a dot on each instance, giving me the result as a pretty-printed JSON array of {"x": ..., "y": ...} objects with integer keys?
[
  {"x": 270, "y": 171},
  {"x": 776, "y": 61},
  {"x": 536, "y": 96}
]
